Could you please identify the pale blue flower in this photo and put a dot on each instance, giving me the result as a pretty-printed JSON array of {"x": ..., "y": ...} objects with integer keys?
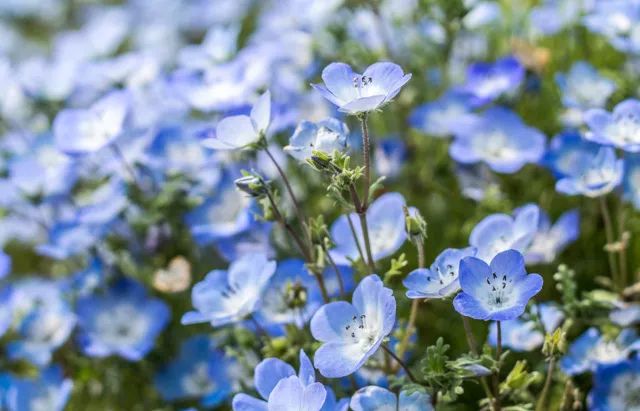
[
  {"x": 550, "y": 240},
  {"x": 583, "y": 87},
  {"x": 592, "y": 349},
  {"x": 228, "y": 296},
  {"x": 438, "y": 118},
  {"x": 596, "y": 176},
  {"x": 616, "y": 387},
  {"x": 374, "y": 398},
  {"x": 499, "y": 291},
  {"x": 620, "y": 128},
  {"x": 355, "y": 93},
  {"x": 326, "y": 135},
  {"x": 441, "y": 279},
  {"x": 351, "y": 333},
  {"x": 390, "y": 155},
  {"x": 50, "y": 391},
  {"x": 488, "y": 81}
]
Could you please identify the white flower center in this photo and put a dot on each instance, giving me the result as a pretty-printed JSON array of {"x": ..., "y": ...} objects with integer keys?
[
  {"x": 624, "y": 129},
  {"x": 122, "y": 325},
  {"x": 499, "y": 290},
  {"x": 361, "y": 332},
  {"x": 198, "y": 382},
  {"x": 625, "y": 393}
]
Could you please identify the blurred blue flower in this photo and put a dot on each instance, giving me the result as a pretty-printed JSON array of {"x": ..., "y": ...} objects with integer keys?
[
  {"x": 242, "y": 131},
  {"x": 176, "y": 149},
  {"x": 326, "y": 135},
  {"x": 595, "y": 176},
  {"x": 88, "y": 280},
  {"x": 438, "y": 118},
  {"x": 228, "y": 296},
  {"x": 69, "y": 238},
  {"x": 386, "y": 230},
  {"x": 625, "y": 314},
  {"x": 50, "y": 391},
  {"x": 85, "y": 131},
  {"x": 583, "y": 87},
  {"x": 617, "y": 21},
  {"x": 567, "y": 152},
  {"x": 200, "y": 371},
  {"x": 488, "y": 81},
  {"x": 374, "y": 398},
  {"x": 551, "y": 16},
  {"x": 390, "y": 155},
  {"x": 621, "y": 128},
  {"x": 255, "y": 239},
  {"x": 499, "y": 138},
  {"x": 42, "y": 331},
  {"x": 591, "y": 349},
  {"x": 616, "y": 387},
  {"x": 527, "y": 335},
  {"x": 499, "y": 291},
  {"x": 124, "y": 321},
  {"x": 6, "y": 310},
  {"x": 550, "y": 240},
  {"x": 631, "y": 179},
  {"x": 500, "y": 232},
  {"x": 351, "y": 333},
  {"x": 477, "y": 181},
  {"x": 355, "y": 93},
  {"x": 225, "y": 213},
  {"x": 441, "y": 279}
]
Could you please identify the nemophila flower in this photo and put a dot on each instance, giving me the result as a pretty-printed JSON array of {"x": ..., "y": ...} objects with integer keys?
[
  {"x": 385, "y": 218},
  {"x": 281, "y": 389},
  {"x": 326, "y": 135},
  {"x": 200, "y": 371},
  {"x": 390, "y": 155},
  {"x": 292, "y": 296},
  {"x": 499, "y": 138},
  {"x": 550, "y": 240},
  {"x": 592, "y": 349},
  {"x": 551, "y": 16},
  {"x": 69, "y": 238},
  {"x": 618, "y": 21},
  {"x": 498, "y": 291},
  {"x": 5, "y": 264},
  {"x": 596, "y": 176},
  {"x": 500, "y": 232},
  {"x": 351, "y": 333},
  {"x": 225, "y": 213},
  {"x": 441, "y": 279},
  {"x": 6, "y": 309},
  {"x": 49, "y": 391},
  {"x": 42, "y": 331},
  {"x": 567, "y": 152},
  {"x": 88, "y": 280},
  {"x": 477, "y": 181},
  {"x": 255, "y": 239},
  {"x": 374, "y": 398},
  {"x": 616, "y": 387},
  {"x": 355, "y": 93},
  {"x": 228, "y": 296},
  {"x": 527, "y": 335},
  {"x": 177, "y": 149},
  {"x": 583, "y": 87},
  {"x": 620, "y": 128},
  {"x": 626, "y": 314},
  {"x": 242, "y": 131},
  {"x": 124, "y": 321},
  {"x": 488, "y": 81},
  {"x": 85, "y": 131},
  {"x": 631, "y": 179},
  {"x": 438, "y": 117}
]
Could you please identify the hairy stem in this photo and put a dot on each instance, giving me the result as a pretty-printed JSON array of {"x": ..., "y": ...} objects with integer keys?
[
  {"x": 608, "y": 227},
  {"x": 399, "y": 361},
  {"x": 496, "y": 376},
  {"x": 367, "y": 161}
]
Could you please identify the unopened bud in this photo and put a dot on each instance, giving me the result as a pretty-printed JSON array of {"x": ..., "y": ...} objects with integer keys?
[{"x": 253, "y": 185}]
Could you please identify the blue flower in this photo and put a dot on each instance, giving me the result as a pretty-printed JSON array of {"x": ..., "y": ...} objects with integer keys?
[
  {"x": 631, "y": 179},
  {"x": 6, "y": 309},
  {"x": 386, "y": 230},
  {"x": 69, "y": 238},
  {"x": 228, "y": 296},
  {"x": 620, "y": 128},
  {"x": 292, "y": 297},
  {"x": 526, "y": 335},
  {"x": 226, "y": 213},
  {"x": 43, "y": 330},
  {"x": 617, "y": 21},
  {"x": 5, "y": 264},
  {"x": 255, "y": 239},
  {"x": 437, "y": 118},
  {"x": 374, "y": 398},
  {"x": 626, "y": 314},
  {"x": 616, "y": 387},
  {"x": 355, "y": 93},
  {"x": 326, "y": 135},
  {"x": 500, "y": 232},
  {"x": 201, "y": 371},
  {"x": 488, "y": 81},
  {"x": 85, "y": 131},
  {"x": 50, "y": 391},
  {"x": 567, "y": 152},
  {"x": 583, "y": 87},
  {"x": 390, "y": 155},
  {"x": 499, "y": 291},
  {"x": 477, "y": 181},
  {"x": 124, "y": 321},
  {"x": 550, "y": 240},
  {"x": 499, "y": 138},
  {"x": 551, "y": 16},
  {"x": 280, "y": 387},
  {"x": 351, "y": 333},
  {"x": 594, "y": 177},
  {"x": 441, "y": 279},
  {"x": 242, "y": 131},
  {"x": 592, "y": 349}
]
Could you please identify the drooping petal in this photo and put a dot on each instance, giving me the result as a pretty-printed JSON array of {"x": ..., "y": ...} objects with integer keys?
[{"x": 362, "y": 104}]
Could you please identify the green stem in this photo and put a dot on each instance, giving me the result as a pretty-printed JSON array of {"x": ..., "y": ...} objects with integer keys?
[
  {"x": 471, "y": 341},
  {"x": 496, "y": 376},
  {"x": 540, "y": 406},
  {"x": 336, "y": 269},
  {"x": 402, "y": 364},
  {"x": 367, "y": 241},
  {"x": 367, "y": 162},
  {"x": 622, "y": 253},
  {"x": 608, "y": 227},
  {"x": 413, "y": 314},
  {"x": 355, "y": 238}
]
